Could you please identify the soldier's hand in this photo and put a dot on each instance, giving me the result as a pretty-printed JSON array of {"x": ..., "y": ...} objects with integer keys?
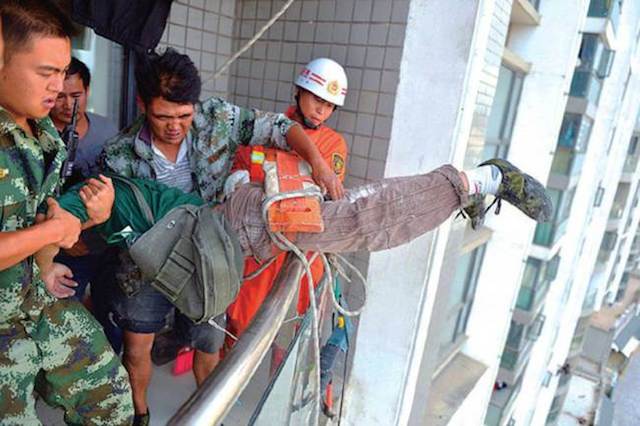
[
  {"x": 327, "y": 180},
  {"x": 98, "y": 196},
  {"x": 66, "y": 225},
  {"x": 57, "y": 280}
]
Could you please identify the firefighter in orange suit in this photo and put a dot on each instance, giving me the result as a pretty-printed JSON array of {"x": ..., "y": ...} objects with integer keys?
[{"x": 320, "y": 88}]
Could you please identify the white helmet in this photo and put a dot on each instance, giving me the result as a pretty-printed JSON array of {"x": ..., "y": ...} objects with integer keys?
[{"x": 324, "y": 78}]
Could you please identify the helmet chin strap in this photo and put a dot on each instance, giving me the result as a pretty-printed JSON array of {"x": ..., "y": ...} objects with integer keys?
[{"x": 305, "y": 121}]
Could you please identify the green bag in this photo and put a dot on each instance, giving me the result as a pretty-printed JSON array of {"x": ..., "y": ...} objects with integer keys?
[{"x": 192, "y": 257}]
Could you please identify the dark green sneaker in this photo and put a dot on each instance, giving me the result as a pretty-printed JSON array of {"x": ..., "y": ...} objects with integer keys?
[{"x": 522, "y": 191}]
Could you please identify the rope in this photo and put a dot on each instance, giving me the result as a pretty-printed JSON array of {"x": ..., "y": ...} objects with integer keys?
[
  {"x": 260, "y": 270},
  {"x": 220, "y": 328},
  {"x": 250, "y": 43},
  {"x": 285, "y": 244}
]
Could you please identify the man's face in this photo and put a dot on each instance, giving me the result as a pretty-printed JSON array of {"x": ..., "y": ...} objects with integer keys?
[
  {"x": 169, "y": 122},
  {"x": 314, "y": 108},
  {"x": 72, "y": 89},
  {"x": 32, "y": 78}
]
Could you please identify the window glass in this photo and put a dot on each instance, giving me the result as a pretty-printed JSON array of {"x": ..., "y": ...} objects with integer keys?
[
  {"x": 460, "y": 300},
  {"x": 503, "y": 113},
  {"x": 104, "y": 60}
]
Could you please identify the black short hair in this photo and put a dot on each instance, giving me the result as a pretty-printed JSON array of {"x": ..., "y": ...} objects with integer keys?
[
  {"x": 78, "y": 67},
  {"x": 172, "y": 76},
  {"x": 24, "y": 19}
]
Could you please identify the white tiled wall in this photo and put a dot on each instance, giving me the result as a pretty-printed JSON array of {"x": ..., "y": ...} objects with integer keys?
[
  {"x": 366, "y": 36},
  {"x": 488, "y": 81},
  {"x": 203, "y": 29}
]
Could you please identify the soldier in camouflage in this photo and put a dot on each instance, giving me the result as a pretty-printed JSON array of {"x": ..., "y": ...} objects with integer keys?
[
  {"x": 189, "y": 145},
  {"x": 56, "y": 341}
]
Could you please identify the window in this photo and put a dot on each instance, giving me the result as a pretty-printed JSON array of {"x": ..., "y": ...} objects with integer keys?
[
  {"x": 514, "y": 338},
  {"x": 535, "y": 282},
  {"x": 549, "y": 233},
  {"x": 597, "y": 201},
  {"x": 552, "y": 268},
  {"x": 104, "y": 60},
  {"x": 555, "y": 409},
  {"x": 535, "y": 330},
  {"x": 594, "y": 65},
  {"x": 609, "y": 241},
  {"x": 572, "y": 144},
  {"x": 633, "y": 146},
  {"x": 546, "y": 380},
  {"x": 503, "y": 113},
  {"x": 590, "y": 52},
  {"x": 460, "y": 301}
]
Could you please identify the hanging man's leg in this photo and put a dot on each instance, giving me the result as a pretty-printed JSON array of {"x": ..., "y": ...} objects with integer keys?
[{"x": 392, "y": 211}]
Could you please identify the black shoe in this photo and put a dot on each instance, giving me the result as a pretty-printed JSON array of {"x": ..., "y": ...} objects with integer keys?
[
  {"x": 141, "y": 419},
  {"x": 166, "y": 346}
]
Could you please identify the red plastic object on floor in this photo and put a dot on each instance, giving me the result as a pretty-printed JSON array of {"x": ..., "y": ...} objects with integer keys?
[
  {"x": 183, "y": 362},
  {"x": 329, "y": 396}
]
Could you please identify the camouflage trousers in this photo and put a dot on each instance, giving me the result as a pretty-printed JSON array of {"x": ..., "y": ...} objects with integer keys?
[{"x": 65, "y": 351}]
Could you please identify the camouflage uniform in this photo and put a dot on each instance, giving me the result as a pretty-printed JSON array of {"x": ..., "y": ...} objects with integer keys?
[
  {"x": 219, "y": 127},
  {"x": 56, "y": 340}
]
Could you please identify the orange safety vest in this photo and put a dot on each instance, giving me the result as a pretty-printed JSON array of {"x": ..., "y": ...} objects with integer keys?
[
  {"x": 333, "y": 149},
  {"x": 285, "y": 172}
]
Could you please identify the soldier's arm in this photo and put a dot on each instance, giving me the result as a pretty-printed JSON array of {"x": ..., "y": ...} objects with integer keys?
[{"x": 61, "y": 229}]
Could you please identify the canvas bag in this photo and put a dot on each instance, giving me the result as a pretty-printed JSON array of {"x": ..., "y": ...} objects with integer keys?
[{"x": 192, "y": 257}]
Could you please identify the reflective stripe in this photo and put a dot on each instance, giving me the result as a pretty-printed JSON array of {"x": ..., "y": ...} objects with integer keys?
[{"x": 257, "y": 157}]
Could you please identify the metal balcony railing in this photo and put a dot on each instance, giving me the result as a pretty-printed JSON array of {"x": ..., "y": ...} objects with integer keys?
[{"x": 216, "y": 397}]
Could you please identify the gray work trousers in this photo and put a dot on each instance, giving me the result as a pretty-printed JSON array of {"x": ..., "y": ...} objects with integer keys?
[{"x": 372, "y": 217}]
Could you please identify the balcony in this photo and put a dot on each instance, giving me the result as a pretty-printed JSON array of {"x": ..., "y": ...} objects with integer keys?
[
  {"x": 501, "y": 403},
  {"x": 567, "y": 163},
  {"x": 585, "y": 84},
  {"x": 548, "y": 234},
  {"x": 605, "y": 9},
  {"x": 530, "y": 298},
  {"x": 525, "y": 12},
  {"x": 514, "y": 360},
  {"x": 603, "y": 18}
]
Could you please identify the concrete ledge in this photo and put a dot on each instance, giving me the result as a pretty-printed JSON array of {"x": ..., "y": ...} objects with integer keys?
[
  {"x": 451, "y": 388},
  {"x": 524, "y": 13}
]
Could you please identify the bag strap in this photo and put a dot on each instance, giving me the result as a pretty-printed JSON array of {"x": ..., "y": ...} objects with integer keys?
[{"x": 142, "y": 203}]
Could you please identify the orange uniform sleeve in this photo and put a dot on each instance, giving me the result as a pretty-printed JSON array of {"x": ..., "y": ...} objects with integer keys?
[{"x": 333, "y": 148}]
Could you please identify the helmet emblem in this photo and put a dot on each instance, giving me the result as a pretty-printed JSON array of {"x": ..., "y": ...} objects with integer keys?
[{"x": 333, "y": 87}]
